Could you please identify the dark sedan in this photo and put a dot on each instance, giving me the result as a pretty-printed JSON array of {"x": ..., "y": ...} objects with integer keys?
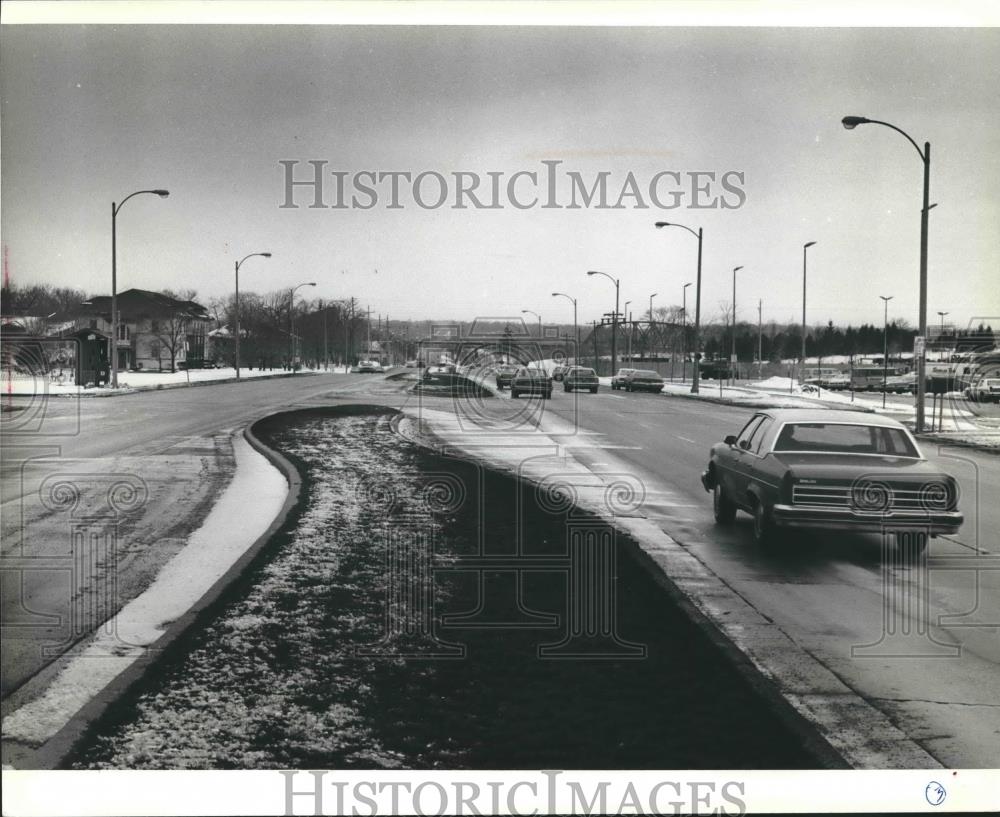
[
  {"x": 505, "y": 373},
  {"x": 644, "y": 380},
  {"x": 829, "y": 470},
  {"x": 580, "y": 377},
  {"x": 531, "y": 381}
]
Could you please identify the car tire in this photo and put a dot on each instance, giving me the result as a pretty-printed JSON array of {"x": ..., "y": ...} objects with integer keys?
[
  {"x": 723, "y": 507},
  {"x": 514, "y": 394},
  {"x": 594, "y": 390},
  {"x": 765, "y": 533},
  {"x": 567, "y": 389}
]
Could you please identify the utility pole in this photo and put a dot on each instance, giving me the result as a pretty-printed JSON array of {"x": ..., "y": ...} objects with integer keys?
[{"x": 760, "y": 339}]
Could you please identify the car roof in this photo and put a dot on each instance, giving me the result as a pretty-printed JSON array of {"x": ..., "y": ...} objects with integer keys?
[{"x": 830, "y": 416}]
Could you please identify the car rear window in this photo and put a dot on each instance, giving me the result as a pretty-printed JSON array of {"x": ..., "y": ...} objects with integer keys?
[
  {"x": 645, "y": 373},
  {"x": 584, "y": 371},
  {"x": 844, "y": 438}
]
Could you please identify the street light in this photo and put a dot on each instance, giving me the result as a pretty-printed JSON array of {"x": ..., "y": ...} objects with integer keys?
[
  {"x": 614, "y": 317},
  {"x": 851, "y": 122},
  {"x": 732, "y": 361},
  {"x": 238, "y": 263},
  {"x": 684, "y": 326},
  {"x": 291, "y": 316},
  {"x": 697, "y": 304},
  {"x": 802, "y": 362},
  {"x": 885, "y": 344},
  {"x": 114, "y": 277},
  {"x": 576, "y": 328},
  {"x": 942, "y": 314},
  {"x": 529, "y": 312}
]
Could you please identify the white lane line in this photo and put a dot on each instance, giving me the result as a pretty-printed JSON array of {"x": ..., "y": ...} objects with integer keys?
[
  {"x": 686, "y": 439},
  {"x": 614, "y": 396}
]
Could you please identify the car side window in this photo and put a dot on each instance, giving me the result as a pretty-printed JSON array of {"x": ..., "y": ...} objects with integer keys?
[
  {"x": 743, "y": 440},
  {"x": 757, "y": 437}
]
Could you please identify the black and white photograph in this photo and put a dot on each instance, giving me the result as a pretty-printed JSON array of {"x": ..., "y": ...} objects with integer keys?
[{"x": 499, "y": 408}]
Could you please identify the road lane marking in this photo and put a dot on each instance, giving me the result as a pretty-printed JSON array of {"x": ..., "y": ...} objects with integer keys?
[{"x": 686, "y": 439}]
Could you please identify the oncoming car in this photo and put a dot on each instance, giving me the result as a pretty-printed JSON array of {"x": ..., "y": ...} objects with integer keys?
[
  {"x": 505, "y": 373},
  {"x": 644, "y": 380},
  {"x": 829, "y": 470},
  {"x": 620, "y": 379}
]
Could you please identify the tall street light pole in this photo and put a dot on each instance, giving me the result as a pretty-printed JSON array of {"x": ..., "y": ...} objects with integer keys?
[
  {"x": 695, "y": 378},
  {"x": 114, "y": 277},
  {"x": 238, "y": 264},
  {"x": 732, "y": 360},
  {"x": 576, "y": 327},
  {"x": 529, "y": 312},
  {"x": 851, "y": 122},
  {"x": 885, "y": 344},
  {"x": 628, "y": 336},
  {"x": 650, "y": 334},
  {"x": 684, "y": 326},
  {"x": 614, "y": 318},
  {"x": 802, "y": 361},
  {"x": 291, "y": 316},
  {"x": 942, "y": 314}
]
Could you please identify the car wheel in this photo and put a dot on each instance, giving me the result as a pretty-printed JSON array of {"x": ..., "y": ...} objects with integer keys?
[
  {"x": 594, "y": 390},
  {"x": 910, "y": 545},
  {"x": 567, "y": 388},
  {"x": 514, "y": 394},
  {"x": 765, "y": 534},
  {"x": 722, "y": 506}
]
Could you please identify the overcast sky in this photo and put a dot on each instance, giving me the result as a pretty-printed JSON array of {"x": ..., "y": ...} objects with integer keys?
[{"x": 90, "y": 114}]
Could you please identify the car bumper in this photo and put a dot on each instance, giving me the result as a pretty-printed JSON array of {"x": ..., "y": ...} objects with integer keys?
[{"x": 796, "y": 516}]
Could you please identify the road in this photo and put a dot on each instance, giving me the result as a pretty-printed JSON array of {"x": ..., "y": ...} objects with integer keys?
[{"x": 827, "y": 593}]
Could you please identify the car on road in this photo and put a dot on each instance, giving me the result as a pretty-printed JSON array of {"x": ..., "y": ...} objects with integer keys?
[
  {"x": 619, "y": 380},
  {"x": 580, "y": 377},
  {"x": 644, "y": 380},
  {"x": 559, "y": 372},
  {"x": 504, "y": 374},
  {"x": 368, "y": 367},
  {"x": 414, "y": 364},
  {"x": 531, "y": 381},
  {"x": 985, "y": 390},
  {"x": 829, "y": 470}
]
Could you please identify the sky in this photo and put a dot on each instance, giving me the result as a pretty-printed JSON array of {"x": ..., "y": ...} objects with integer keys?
[{"x": 91, "y": 113}]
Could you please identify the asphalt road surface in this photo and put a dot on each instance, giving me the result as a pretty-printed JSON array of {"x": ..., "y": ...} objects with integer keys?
[{"x": 830, "y": 594}]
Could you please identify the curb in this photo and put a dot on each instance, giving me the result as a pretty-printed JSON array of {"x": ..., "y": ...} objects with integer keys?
[
  {"x": 55, "y": 752},
  {"x": 169, "y": 386},
  {"x": 763, "y": 404}
]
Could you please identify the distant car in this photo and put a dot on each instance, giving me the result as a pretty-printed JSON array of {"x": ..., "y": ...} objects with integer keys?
[
  {"x": 838, "y": 382},
  {"x": 902, "y": 383},
  {"x": 414, "y": 364},
  {"x": 440, "y": 368},
  {"x": 580, "y": 377},
  {"x": 619, "y": 380},
  {"x": 531, "y": 381},
  {"x": 369, "y": 367},
  {"x": 644, "y": 380},
  {"x": 559, "y": 372},
  {"x": 504, "y": 374},
  {"x": 985, "y": 390},
  {"x": 829, "y": 470}
]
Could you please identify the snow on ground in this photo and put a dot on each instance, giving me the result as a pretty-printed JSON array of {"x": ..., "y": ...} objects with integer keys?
[
  {"x": 242, "y": 514},
  {"x": 24, "y": 384}
]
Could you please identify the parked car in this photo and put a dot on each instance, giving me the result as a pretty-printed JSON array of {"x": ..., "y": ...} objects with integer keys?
[
  {"x": 531, "y": 381},
  {"x": 368, "y": 367},
  {"x": 414, "y": 364},
  {"x": 986, "y": 390},
  {"x": 644, "y": 380},
  {"x": 580, "y": 377},
  {"x": 619, "y": 380},
  {"x": 559, "y": 372},
  {"x": 505, "y": 373},
  {"x": 829, "y": 470}
]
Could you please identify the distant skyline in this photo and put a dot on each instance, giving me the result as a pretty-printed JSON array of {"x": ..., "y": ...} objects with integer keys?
[{"x": 93, "y": 113}]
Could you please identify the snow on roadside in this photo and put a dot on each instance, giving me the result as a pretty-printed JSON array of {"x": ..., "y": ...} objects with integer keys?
[{"x": 242, "y": 514}]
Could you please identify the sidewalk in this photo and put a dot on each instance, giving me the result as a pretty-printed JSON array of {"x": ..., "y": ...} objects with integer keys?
[{"x": 16, "y": 384}]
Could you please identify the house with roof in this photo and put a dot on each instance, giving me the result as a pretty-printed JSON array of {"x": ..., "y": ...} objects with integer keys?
[{"x": 155, "y": 331}]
